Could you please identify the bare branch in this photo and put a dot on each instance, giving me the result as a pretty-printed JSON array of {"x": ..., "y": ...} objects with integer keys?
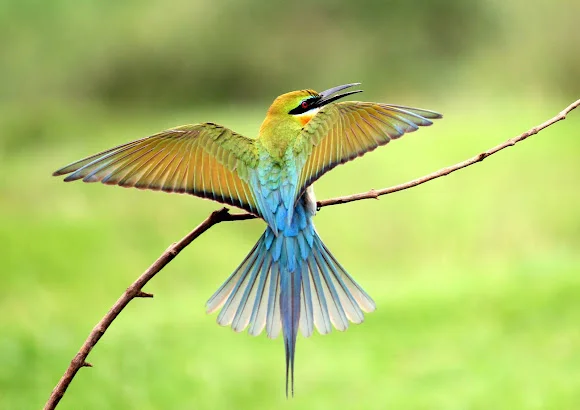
[
  {"x": 132, "y": 292},
  {"x": 223, "y": 215}
]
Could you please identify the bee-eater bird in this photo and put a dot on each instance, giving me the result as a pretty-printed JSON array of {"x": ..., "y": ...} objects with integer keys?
[{"x": 289, "y": 280}]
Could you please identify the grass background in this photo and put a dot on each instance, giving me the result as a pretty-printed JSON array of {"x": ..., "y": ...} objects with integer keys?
[{"x": 475, "y": 277}]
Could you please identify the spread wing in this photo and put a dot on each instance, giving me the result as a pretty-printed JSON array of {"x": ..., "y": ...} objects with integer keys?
[
  {"x": 206, "y": 160},
  {"x": 343, "y": 131}
]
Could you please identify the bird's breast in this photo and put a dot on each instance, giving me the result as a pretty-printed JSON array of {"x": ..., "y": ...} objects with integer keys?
[{"x": 275, "y": 188}]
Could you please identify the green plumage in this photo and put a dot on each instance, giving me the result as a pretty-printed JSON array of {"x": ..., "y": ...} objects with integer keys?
[{"x": 290, "y": 280}]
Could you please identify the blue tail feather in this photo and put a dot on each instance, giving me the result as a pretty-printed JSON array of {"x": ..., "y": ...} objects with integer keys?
[
  {"x": 290, "y": 308},
  {"x": 306, "y": 317},
  {"x": 351, "y": 309},
  {"x": 259, "y": 311},
  {"x": 244, "y": 310},
  {"x": 233, "y": 302},
  {"x": 290, "y": 282},
  {"x": 335, "y": 310},
  {"x": 320, "y": 308},
  {"x": 273, "y": 321},
  {"x": 219, "y": 297}
]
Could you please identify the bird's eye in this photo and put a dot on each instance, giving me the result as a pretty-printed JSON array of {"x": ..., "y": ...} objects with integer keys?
[{"x": 304, "y": 106}]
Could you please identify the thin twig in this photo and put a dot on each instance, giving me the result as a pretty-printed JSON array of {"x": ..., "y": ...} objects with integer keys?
[
  {"x": 373, "y": 194},
  {"x": 223, "y": 215}
]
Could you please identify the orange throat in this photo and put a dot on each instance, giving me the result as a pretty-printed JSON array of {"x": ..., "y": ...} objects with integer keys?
[{"x": 307, "y": 116}]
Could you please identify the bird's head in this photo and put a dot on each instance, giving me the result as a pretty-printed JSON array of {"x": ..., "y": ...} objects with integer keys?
[{"x": 302, "y": 105}]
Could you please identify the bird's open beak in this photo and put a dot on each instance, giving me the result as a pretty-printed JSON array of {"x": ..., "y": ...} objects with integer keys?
[{"x": 326, "y": 97}]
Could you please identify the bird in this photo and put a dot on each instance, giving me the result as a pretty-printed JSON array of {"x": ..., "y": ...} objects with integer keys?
[{"x": 289, "y": 281}]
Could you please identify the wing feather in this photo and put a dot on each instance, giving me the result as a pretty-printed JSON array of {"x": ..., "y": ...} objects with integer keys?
[
  {"x": 206, "y": 160},
  {"x": 343, "y": 131}
]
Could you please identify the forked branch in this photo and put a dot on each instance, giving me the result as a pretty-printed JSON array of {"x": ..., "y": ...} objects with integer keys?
[{"x": 223, "y": 215}]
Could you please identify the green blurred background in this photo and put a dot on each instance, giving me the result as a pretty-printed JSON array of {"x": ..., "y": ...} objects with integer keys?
[{"x": 476, "y": 276}]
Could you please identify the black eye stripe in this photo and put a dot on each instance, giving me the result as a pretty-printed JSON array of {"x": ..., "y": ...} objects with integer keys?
[{"x": 302, "y": 108}]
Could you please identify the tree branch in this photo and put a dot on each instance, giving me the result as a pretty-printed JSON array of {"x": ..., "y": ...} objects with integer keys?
[
  {"x": 132, "y": 292},
  {"x": 223, "y": 215}
]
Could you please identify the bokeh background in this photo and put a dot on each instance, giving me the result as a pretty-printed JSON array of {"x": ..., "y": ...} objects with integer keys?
[{"x": 476, "y": 276}]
